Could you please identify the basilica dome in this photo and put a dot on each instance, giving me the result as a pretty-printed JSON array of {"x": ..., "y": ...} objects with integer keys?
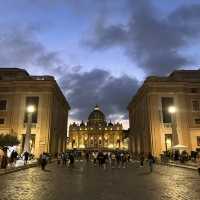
[{"x": 96, "y": 117}]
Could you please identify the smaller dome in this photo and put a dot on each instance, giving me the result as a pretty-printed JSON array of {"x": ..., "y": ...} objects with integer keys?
[
  {"x": 82, "y": 123},
  {"x": 110, "y": 123}
]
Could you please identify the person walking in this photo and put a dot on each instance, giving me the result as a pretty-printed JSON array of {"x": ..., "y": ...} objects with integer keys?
[
  {"x": 198, "y": 163},
  {"x": 141, "y": 160},
  {"x": 118, "y": 158},
  {"x": 43, "y": 161},
  {"x": 58, "y": 158},
  {"x": 150, "y": 161},
  {"x": 64, "y": 158},
  {"x": 103, "y": 161},
  {"x": 95, "y": 154},
  {"x": 4, "y": 162},
  {"x": 71, "y": 159},
  {"x": 87, "y": 156},
  {"x": 100, "y": 159},
  {"x": 113, "y": 157},
  {"x": 26, "y": 156}
]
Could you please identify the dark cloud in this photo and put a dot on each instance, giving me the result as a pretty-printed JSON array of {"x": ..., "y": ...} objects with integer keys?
[
  {"x": 106, "y": 36},
  {"x": 152, "y": 40},
  {"x": 20, "y": 47},
  {"x": 86, "y": 89}
]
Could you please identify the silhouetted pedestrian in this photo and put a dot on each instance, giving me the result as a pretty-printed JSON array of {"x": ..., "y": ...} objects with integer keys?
[
  {"x": 26, "y": 156},
  {"x": 43, "y": 161},
  {"x": 141, "y": 160},
  {"x": 71, "y": 158},
  {"x": 150, "y": 161}
]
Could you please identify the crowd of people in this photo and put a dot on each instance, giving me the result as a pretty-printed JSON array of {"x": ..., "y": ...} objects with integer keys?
[
  {"x": 105, "y": 160},
  {"x": 100, "y": 159},
  {"x": 11, "y": 160},
  {"x": 113, "y": 159}
]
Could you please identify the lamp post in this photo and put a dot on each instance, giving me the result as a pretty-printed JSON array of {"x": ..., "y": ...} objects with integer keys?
[
  {"x": 175, "y": 140},
  {"x": 30, "y": 110}
]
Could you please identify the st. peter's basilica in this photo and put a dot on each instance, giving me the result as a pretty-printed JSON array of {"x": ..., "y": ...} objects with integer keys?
[{"x": 97, "y": 134}]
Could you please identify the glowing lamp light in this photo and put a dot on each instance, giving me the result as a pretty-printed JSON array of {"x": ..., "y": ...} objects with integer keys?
[
  {"x": 30, "y": 109},
  {"x": 172, "y": 109},
  {"x": 82, "y": 146},
  {"x": 168, "y": 141},
  {"x": 110, "y": 146}
]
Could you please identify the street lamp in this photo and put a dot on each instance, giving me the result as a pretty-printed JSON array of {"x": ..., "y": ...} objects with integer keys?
[
  {"x": 30, "y": 110},
  {"x": 175, "y": 140},
  {"x": 172, "y": 109}
]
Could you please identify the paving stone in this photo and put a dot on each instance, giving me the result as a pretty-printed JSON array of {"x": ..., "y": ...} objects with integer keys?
[{"x": 86, "y": 182}]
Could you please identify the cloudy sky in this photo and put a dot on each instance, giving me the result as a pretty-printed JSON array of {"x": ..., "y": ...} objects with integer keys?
[{"x": 100, "y": 51}]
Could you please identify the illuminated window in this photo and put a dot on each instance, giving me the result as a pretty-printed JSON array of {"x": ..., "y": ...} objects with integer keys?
[
  {"x": 168, "y": 141},
  {"x": 3, "y": 104},
  {"x": 166, "y": 103}
]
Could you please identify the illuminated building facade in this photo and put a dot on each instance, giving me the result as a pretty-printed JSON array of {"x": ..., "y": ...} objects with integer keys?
[
  {"x": 149, "y": 117},
  {"x": 49, "y": 121},
  {"x": 96, "y": 134}
]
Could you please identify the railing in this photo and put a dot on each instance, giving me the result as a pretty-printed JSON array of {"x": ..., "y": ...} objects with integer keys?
[
  {"x": 33, "y": 125},
  {"x": 167, "y": 125}
]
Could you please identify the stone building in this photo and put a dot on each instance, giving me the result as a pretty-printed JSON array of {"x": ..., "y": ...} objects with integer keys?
[
  {"x": 96, "y": 134},
  {"x": 18, "y": 89},
  {"x": 151, "y": 123}
]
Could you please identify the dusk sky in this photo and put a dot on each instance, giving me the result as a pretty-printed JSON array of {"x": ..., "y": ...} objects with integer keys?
[{"x": 100, "y": 51}]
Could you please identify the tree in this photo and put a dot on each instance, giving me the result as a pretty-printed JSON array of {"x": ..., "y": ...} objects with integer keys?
[{"x": 8, "y": 140}]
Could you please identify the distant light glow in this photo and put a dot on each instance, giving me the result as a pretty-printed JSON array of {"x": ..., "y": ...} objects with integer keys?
[
  {"x": 110, "y": 146},
  {"x": 30, "y": 109},
  {"x": 82, "y": 146},
  {"x": 172, "y": 109}
]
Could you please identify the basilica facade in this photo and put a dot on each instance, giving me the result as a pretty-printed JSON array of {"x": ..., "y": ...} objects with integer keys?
[{"x": 96, "y": 134}]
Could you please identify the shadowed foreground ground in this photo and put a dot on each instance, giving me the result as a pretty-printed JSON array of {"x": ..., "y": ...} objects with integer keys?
[{"x": 86, "y": 182}]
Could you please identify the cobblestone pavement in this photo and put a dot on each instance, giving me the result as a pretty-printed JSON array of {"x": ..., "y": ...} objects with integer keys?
[{"x": 85, "y": 182}]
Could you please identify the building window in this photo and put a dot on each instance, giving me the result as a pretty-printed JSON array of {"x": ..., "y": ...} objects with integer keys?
[
  {"x": 197, "y": 121},
  {"x": 100, "y": 142},
  {"x": 2, "y": 120},
  {"x": 3, "y": 104},
  {"x": 194, "y": 90},
  {"x": 32, "y": 101},
  {"x": 166, "y": 103},
  {"x": 195, "y": 106},
  {"x": 198, "y": 140},
  {"x": 168, "y": 141}
]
